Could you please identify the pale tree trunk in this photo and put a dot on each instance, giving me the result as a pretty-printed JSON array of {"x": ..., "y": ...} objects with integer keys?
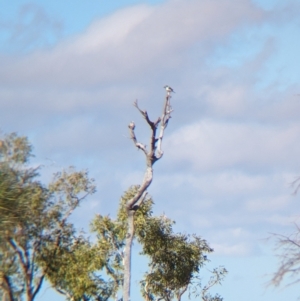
[
  {"x": 127, "y": 259},
  {"x": 152, "y": 154},
  {"x": 26, "y": 260},
  {"x": 7, "y": 291}
]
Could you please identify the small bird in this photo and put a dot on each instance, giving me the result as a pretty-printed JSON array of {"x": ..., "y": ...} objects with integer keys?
[
  {"x": 169, "y": 89},
  {"x": 131, "y": 125}
]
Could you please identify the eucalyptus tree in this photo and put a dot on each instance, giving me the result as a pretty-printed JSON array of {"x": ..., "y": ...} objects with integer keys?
[
  {"x": 34, "y": 226},
  {"x": 174, "y": 259}
]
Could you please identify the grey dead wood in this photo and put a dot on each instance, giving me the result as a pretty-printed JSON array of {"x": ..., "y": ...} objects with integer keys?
[{"x": 152, "y": 154}]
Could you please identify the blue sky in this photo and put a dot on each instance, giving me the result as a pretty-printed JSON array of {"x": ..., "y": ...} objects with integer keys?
[{"x": 70, "y": 72}]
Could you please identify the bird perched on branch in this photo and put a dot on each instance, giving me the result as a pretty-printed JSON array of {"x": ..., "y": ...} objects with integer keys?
[
  {"x": 169, "y": 89},
  {"x": 131, "y": 125}
]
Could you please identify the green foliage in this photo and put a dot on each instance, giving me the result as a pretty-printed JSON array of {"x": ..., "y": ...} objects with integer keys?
[
  {"x": 15, "y": 149},
  {"x": 75, "y": 266},
  {"x": 17, "y": 185},
  {"x": 141, "y": 214},
  {"x": 21, "y": 197},
  {"x": 73, "y": 272},
  {"x": 216, "y": 278},
  {"x": 36, "y": 239},
  {"x": 175, "y": 259}
]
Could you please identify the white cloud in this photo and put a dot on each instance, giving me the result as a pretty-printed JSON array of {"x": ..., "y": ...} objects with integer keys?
[
  {"x": 241, "y": 249},
  {"x": 109, "y": 32},
  {"x": 210, "y": 145},
  {"x": 283, "y": 220},
  {"x": 217, "y": 184},
  {"x": 127, "y": 180},
  {"x": 268, "y": 204},
  {"x": 131, "y": 41}
]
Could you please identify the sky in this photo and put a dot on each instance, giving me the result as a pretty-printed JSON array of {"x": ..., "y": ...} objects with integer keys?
[{"x": 71, "y": 70}]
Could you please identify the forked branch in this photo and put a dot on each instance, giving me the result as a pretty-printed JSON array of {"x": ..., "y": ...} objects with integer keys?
[
  {"x": 155, "y": 148},
  {"x": 152, "y": 154}
]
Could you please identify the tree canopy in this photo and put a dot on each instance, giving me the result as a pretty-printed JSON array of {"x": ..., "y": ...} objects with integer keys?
[
  {"x": 38, "y": 242},
  {"x": 34, "y": 227},
  {"x": 174, "y": 259}
]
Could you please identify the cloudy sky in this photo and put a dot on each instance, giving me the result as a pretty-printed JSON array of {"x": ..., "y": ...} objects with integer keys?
[{"x": 70, "y": 71}]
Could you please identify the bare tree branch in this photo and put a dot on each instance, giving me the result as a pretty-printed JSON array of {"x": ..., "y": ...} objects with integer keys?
[
  {"x": 181, "y": 292},
  {"x": 289, "y": 247},
  {"x": 145, "y": 115},
  {"x": 23, "y": 256},
  {"x": 8, "y": 287},
  {"x": 139, "y": 145},
  {"x": 152, "y": 155},
  {"x": 38, "y": 287},
  {"x": 142, "y": 199},
  {"x": 19, "y": 253}
]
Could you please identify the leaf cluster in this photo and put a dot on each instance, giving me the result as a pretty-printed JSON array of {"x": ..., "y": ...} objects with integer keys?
[
  {"x": 142, "y": 212},
  {"x": 175, "y": 259},
  {"x": 197, "y": 289},
  {"x": 15, "y": 149},
  {"x": 36, "y": 239}
]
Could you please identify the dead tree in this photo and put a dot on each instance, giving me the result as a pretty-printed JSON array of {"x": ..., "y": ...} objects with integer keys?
[
  {"x": 289, "y": 257},
  {"x": 153, "y": 153}
]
